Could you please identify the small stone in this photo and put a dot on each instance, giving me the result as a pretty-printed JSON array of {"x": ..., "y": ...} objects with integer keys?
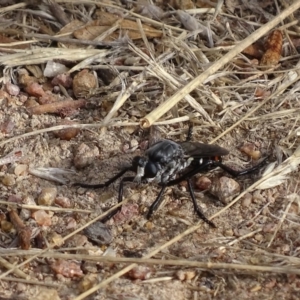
[
  {"x": 247, "y": 200},
  {"x": 8, "y": 180},
  {"x": 259, "y": 237},
  {"x": 63, "y": 202},
  {"x": 83, "y": 83},
  {"x": 6, "y": 226},
  {"x": 203, "y": 183},
  {"x": 21, "y": 170},
  {"x": 42, "y": 218},
  {"x": 12, "y": 89},
  {"x": 225, "y": 189},
  {"x": 99, "y": 233},
  {"x": 47, "y": 196},
  {"x": 87, "y": 282},
  {"x": 67, "y": 268},
  {"x": 140, "y": 272},
  {"x": 56, "y": 239},
  {"x": 68, "y": 133}
]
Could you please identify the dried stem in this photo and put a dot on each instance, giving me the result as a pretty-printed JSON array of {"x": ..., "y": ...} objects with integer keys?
[{"x": 57, "y": 107}]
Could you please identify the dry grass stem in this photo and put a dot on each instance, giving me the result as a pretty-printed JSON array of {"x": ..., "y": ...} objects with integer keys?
[
  {"x": 7, "y": 265},
  {"x": 33, "y": 282},
  {"x": 49, "y": 208},
  {"x": 158, "y": 71},
  {"x": 40, "y": 56},
  {"x": 170, "y": 262}
]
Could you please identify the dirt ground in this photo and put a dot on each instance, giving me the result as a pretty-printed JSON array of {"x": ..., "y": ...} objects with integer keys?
[{"x": 52, "y": 243}]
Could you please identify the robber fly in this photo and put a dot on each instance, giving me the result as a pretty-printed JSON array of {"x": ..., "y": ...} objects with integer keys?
[{"x": 168, "y": 163}]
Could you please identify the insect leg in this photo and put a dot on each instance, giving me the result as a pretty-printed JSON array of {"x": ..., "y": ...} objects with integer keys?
[
  {"x": 190, "y": 132},
  {"x": 236, "y": 173},
  {"x": 120, "y": 198},
  {"x": 196, "y": 207},
  {"x": 105, "y": 184},
  {"x": 156, "y": 203}
]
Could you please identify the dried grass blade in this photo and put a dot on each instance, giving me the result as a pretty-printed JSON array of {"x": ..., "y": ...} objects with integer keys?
[{"x": 43, "y": 55}]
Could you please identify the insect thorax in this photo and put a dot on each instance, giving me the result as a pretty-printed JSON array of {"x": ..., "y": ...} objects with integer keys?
[{"x": 162, "y": 162}]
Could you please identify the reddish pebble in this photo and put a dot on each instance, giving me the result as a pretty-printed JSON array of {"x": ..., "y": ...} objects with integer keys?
[
  {"x": 68, "y": 133},
  {"x": 139, "y": 272},
  {"x": 63, "y": 79},
  {"x": 42, "y": 218},
  {"x": 203, "y": 183},
  {"x": 35, "y": 89},
  {"x": 12, "y": 89},
  {"x": 66, "y": 268}
]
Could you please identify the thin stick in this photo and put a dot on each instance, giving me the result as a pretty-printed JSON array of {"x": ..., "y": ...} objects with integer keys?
[
  {"x": 34, "y": 282},
  {"x": 95, "y": 125},
  {"x": 148, "y": 120},
  {"x": 57, "y": 107},
  {"x": 47, "y": 208},
  {"x": 166, "y": 262},
  {"x": 4, "y": 263}
]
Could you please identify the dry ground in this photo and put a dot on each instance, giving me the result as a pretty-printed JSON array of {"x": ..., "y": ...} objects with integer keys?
[{"x": 253, "y": 252}]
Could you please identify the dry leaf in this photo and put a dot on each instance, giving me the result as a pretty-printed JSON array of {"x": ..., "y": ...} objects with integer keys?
[
  {"x": 106, "y": 20},
  {"x": 90, "y": 31},
  {"x": 70, "y": 28}
]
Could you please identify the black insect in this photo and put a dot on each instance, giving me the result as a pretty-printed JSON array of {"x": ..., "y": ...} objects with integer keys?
[{"x": 168, "y": 163}]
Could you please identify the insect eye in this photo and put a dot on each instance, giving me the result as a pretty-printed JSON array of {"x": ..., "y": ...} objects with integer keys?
[{"x": 151, "y": 170}]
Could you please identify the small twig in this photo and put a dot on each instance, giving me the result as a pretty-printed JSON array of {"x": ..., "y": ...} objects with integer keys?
[
  {"x": 57, "y": 107},
  {"x": 24, "y": 231},
  {"x": 58, "y": 12},
  {"x": 34, "y": 282},
  {"x": 47, "y": 208},
  {"x": 69, "y": 40},
  {"x": 244, "y": 237},
  {"x": 10, "y": 266},
  {"x": 11, "y": 157}
]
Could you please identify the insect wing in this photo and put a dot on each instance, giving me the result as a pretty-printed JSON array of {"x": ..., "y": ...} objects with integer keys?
[{"x": 200, "y": 150}]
